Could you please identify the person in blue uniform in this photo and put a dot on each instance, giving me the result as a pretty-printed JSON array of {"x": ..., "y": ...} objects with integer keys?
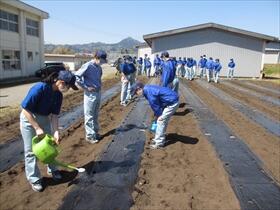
[
  {"x": 231, "y": 66},
  {"x": 89, "y": 79},
  {"x": 128, "y": 70},
  {"x": 217, "y": 69},
  {"x": 168, "y": 77},
  {"x": 164, "y": 102},
  {"x": 39, "y": 116}
]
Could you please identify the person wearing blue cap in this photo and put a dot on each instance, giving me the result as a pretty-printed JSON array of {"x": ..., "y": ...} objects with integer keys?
[
  {"x": 144, "y": 68},
  {"x": 189, "y": 70},
  {"x": 164, "y": 102},
  {"x": 201, "y": 65},
  {"x": 128, "y": 79},
  {"x": 231, "y": 66},
  {"x": 217, "y": 69},
  {"x": 39, "y": 116},
  {"x": 156, "y": 65},
  {"x": 147, "y": 66},
  {"x": 139, "y": 65},
  {"x": 183, "y": 70},
  {"x": 179, "y": 67},
  {"x": 168, "y": 77},
  {"x": 209, "y": 69},
  {"x": 89, "y": 78}
]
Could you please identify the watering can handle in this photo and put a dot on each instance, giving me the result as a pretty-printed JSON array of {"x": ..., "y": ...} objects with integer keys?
[{"x": 37, "y": 139}]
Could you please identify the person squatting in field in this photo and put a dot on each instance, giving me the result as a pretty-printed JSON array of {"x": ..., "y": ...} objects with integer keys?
[
  {"x": 164, "y": 102},
  {"x": 39, "y": 116},
  {"x": 89, "y": 79}
]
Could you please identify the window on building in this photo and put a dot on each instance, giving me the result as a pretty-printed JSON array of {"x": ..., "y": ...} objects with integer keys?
[
  {"x": 11, "y": 59},
  {"x": 30, "y": 56},
  {"x": 32, "y": 27},
  {"x": 8, "y": 21}
]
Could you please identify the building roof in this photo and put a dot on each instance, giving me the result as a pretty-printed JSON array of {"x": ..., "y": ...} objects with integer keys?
[
  {"x": 26, "y": 7},
  {"x": 69, "y": 55},
  {"x": 148, "y": 37},
  {"x": 144, "y": 44}
]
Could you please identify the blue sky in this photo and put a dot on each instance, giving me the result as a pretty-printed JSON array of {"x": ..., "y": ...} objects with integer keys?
[{"x": 78, "y": 22}]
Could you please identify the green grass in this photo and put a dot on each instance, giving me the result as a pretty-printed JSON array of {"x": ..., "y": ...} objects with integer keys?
[{"x": 272, "y": 70}]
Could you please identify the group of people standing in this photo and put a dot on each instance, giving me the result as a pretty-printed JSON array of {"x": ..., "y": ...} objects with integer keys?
[{"x": 187, "y": 67}]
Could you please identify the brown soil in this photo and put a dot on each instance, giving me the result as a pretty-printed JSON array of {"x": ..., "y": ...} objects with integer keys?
[
  {"x": 264, "y": 144},
  {"x": 267, "y": 108},
  {"x": 186, "y": 174},
  {"x": 9, "y": 125},
  {"x": 15, "y": 191},
  {"x": 267, "y": 83},
  {"x": 264, "y": 92}
]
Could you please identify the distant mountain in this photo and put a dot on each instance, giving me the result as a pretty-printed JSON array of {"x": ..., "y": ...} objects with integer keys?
[{"x": 126, "y": 45}]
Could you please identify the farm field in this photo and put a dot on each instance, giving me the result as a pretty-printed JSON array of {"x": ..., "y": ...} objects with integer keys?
[{"x": 222, "y": 148}]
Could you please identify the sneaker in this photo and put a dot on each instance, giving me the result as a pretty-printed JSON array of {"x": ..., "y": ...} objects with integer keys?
[
  {"x": 156, "y": 146},
  {"x": 98, "y": 137},
  {"x": 37, "y": 186},
  {"x": 125, "y": 103},
  {"x": 56, "y": 175},
  {"x": 92, "y": 141}
]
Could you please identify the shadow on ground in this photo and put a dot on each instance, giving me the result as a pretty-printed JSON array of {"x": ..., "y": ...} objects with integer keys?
[{"x": 172, "y": 138}]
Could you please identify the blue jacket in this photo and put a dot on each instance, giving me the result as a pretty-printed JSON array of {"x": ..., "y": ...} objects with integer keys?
[
  {"x": 209, "y": 64},
  {"x": 159, "y": 97},
  {"x": 184, "y": 62},
  {"x": 217, "y": 66},
  {"x": 127, "y": 68},
  {"x": 168, "y": 73},
  {"x": 140, "y": 61},
  {"x": 231, "y": 64},
  {"x": 179, "y": 62},
  {"x": 189, "y": 63},
  {"x": 89, "y": 75},
  {"x": 194, "y": 62},
  {"x": 156, "y": 61},
  {"x": 202, "y": 62},
  {"x": 147, "y": 63}
]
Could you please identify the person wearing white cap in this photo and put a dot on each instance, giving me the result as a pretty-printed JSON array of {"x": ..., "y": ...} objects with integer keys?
[{"x": 89, "y": 78}]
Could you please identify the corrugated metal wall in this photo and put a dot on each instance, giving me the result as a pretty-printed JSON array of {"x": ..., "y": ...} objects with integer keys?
[{"x": 246, "y": 51}]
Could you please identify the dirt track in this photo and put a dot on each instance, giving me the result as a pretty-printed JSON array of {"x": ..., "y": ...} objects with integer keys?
[
  {"x": 15, "y": 190},
  {"x": 264, "y": 144},
  {"x": 269, "y": 109},
  {"x": 186, "y": 174}
]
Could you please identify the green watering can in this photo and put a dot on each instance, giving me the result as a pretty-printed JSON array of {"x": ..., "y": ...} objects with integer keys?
[{"x": 45, "y": 149}]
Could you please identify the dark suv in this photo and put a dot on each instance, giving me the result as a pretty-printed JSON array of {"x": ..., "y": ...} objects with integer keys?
[{"x": 47, "y": 70}]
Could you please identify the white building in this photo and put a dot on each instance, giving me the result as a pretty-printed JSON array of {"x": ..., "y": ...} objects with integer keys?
[
  {"x": 21, "y": 39},
  {"x": 272, "y": 53},
  {"x": 217, "y": 41},
  {"x": 73, "y": 61}
]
